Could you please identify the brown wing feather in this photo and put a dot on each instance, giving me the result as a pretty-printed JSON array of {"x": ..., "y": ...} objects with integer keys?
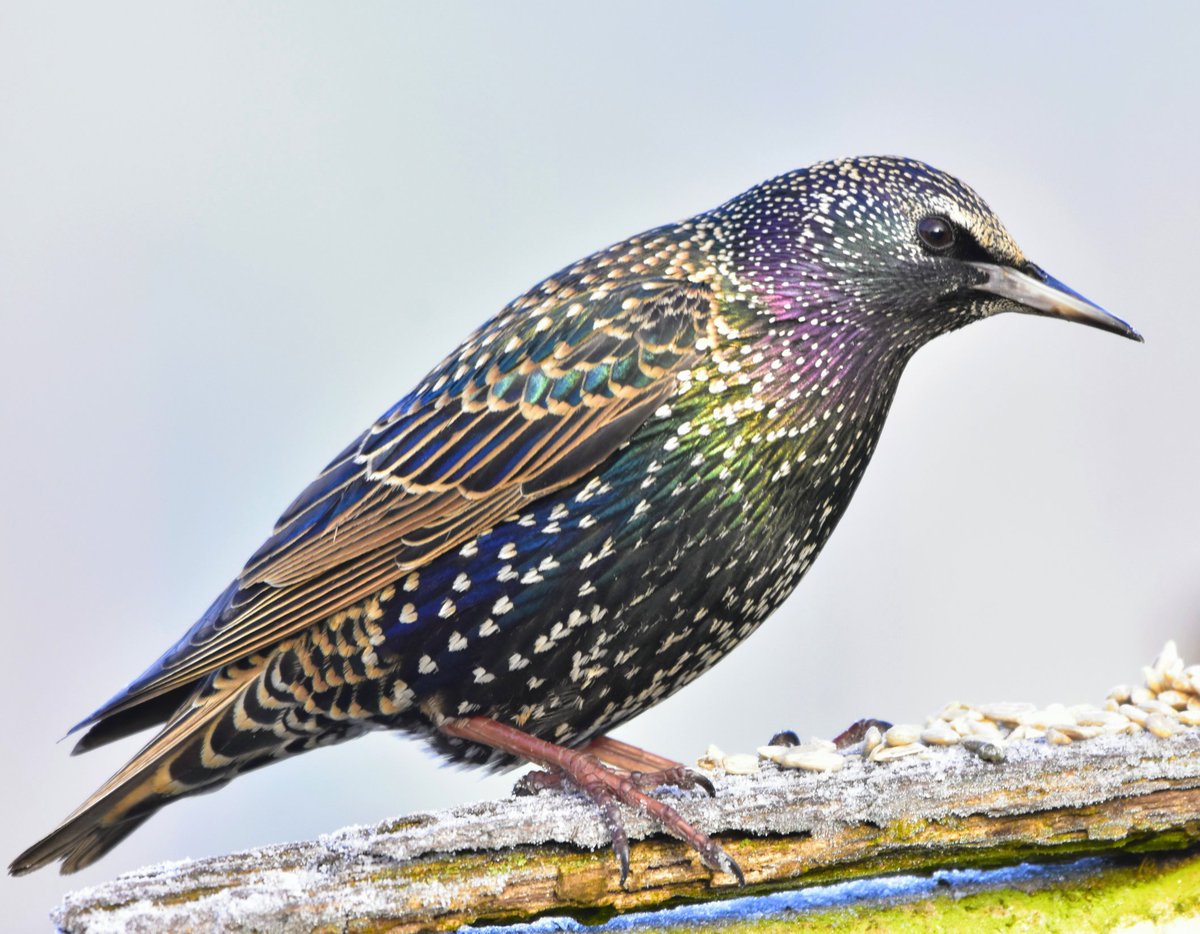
[{"x": 459, "y": 456}]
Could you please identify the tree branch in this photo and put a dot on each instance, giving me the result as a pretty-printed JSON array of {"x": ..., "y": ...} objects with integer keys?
[{"x": 519, "y": 857}]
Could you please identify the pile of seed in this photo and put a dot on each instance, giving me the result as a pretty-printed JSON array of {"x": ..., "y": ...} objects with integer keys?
[{"x": 1168, "y": 702}]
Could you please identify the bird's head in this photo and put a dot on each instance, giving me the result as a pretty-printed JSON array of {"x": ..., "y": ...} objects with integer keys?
[{"x": 890, "y": 246}]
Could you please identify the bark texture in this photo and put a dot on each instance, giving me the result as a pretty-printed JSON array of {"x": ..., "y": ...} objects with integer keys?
[{"x": 516, "y": 858}]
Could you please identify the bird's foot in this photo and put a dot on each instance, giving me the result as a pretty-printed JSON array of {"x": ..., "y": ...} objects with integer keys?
[
  {"x": 539, "y": 780},
  {"x": 606, "y": 788},
  {"x": 678, "y": 776}
]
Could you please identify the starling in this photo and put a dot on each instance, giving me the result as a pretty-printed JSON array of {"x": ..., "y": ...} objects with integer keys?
[{"x": 593, "y": 499}]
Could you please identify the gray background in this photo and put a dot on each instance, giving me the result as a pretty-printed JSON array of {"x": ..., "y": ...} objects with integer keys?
[{"x": 231, "y": 235}]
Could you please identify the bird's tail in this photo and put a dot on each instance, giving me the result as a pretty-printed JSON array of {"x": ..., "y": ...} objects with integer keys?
[{"x": 204, "y": 746}]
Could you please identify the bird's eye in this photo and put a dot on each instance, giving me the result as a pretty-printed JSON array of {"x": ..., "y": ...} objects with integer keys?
[{"x": 936, "y": 233}]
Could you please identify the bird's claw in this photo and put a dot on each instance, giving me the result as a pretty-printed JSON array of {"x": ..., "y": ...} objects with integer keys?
[
  {"x": 679, "y": 776},
  {"x": 537, "y": 781}
]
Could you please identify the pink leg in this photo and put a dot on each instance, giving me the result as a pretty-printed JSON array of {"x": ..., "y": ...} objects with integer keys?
[{"x": 603, "y": 785}]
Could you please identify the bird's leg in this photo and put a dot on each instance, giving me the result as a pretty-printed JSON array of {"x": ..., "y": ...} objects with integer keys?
[{"x": 604, "y": 786}]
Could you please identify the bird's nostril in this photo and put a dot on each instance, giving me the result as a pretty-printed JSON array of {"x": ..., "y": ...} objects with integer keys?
[{"x": 1033, "y": 269}]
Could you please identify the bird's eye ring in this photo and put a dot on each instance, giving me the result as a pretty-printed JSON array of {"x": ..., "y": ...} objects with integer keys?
[{"x": 936, "y": 232}]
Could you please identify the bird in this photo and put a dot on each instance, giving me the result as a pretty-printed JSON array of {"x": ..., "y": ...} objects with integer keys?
[{"x": 586, "y": 505}]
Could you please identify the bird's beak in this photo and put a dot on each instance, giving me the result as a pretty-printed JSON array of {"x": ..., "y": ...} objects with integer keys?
[{"x": 1038, "y": 293}]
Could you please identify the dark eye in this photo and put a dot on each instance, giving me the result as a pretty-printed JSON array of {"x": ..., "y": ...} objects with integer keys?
[{"x": 936, "y": 233}]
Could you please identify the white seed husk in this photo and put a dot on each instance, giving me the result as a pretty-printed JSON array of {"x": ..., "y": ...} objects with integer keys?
[
  {"x": 1136, "y": 714},
  {"x": 986, "y": 729},
  {"x": 939, "y": 733},
  {"x": 1140, "y": 695},
  {"x": 1178, "y": 681},
  {"x": 902, "y": 734},
  {"x": 711, "y": 759},
  {"x": 1161, "y": 726},
  {"x": 1157, "y": 706},
  {"x": 1189, "y": 717},
  {"x": 1101, "y": 718},
  {"x": 1054, "y": 715},
  {"x": 1168, "y": 657},
  {"x": 888, "y": 753},
  {"x": 811, "y": 760},
  {"x": 1080, "y": 732},
  {"x": 1173, "y": 698},
  {"x": 1008, "y": 713},
  {"x": 950, "y": 711},
  {"x": 740, "y": 763},
  {"x": 873, "y": 739}
]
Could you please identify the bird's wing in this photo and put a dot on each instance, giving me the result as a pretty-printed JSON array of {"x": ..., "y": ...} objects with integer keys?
[{"x": 532, "y": 401}]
